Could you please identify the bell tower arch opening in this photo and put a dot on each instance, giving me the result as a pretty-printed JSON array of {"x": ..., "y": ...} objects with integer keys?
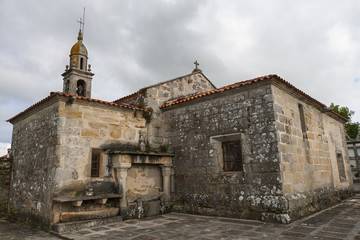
[{"x": 81, "y": 88}]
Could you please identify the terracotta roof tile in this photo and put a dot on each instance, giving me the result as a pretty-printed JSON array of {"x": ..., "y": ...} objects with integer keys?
[
  {"x": 126, "y": 97},
  {"x": 5, "y": 156},
  {"x": 247, "y": 82},
  {"x": 53, "y": 94}
]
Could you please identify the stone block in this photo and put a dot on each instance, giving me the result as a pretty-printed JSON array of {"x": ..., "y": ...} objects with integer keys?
[
  {"x": 76, "y": 203},
  {"x": 115, "y": 131},
  {"x": 89, "y": 133},
  {"x": 69, "y": 113},
  {"x": 152, "y": 208},
  {"x": 101, "y": 201},
  {"x": 85, "y": 215},
  {"x": 285, "y": 138}
]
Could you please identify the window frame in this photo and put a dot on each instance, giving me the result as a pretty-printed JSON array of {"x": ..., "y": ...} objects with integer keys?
[
  {"x": 235, "y": 153},
  {"x": 217, "y": 149},
  {"x": 98, "y": 164}
]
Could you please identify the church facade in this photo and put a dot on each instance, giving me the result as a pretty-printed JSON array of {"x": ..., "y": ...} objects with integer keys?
[{"x": 258, "y": 149}]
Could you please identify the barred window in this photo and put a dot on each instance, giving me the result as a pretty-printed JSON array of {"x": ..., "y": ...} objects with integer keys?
[
  {"x": 95, "y": 165},
  {"x": 232, "y": 156}
]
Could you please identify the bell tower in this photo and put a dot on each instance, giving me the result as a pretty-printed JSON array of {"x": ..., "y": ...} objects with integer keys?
[{"x": 78, "y": 77}]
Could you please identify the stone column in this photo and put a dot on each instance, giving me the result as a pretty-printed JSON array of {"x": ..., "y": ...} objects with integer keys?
[
  {"x": 166, "y": 173},
  {"x": 172, "y": 181},
  {"x": 121, "y": 173}
]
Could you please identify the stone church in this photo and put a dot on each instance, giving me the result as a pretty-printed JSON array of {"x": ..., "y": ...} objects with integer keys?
[{"x": 258, "y": 149}]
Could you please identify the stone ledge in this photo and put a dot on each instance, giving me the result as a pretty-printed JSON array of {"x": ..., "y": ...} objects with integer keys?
[
  {"x": 82, "y": 198},
  {"x": 142, "y": 153},
  {"x": 74, "y": 226},
  {"x": 88, "y": 215}
]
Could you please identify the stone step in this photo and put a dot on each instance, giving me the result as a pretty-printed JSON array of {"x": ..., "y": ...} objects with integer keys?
[
  {"x": 74, "y": 226},
  {"x": 87, "y": 215}
]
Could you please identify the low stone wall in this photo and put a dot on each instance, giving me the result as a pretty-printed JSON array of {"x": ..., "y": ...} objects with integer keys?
[{"x": 5, "y": 177}]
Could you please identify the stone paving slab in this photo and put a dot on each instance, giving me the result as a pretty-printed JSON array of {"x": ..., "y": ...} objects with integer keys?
[
  {"x": 339, "y": 222},
  {"x": 17, "y": 231}
]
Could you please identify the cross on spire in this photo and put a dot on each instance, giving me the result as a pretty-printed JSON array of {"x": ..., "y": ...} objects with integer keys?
[
  {"x": 196, "y": 64},
  {"x": 196, "y": 67},
  {"x": 81, "y": 24}
]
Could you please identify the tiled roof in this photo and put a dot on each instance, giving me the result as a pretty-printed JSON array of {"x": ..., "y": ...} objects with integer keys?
[
  {"x": 126, "y": 97},
  {"x": 5, "y": 156},
  {"x": 247, "y": 82},
  {"x": 53, "y": 94}
]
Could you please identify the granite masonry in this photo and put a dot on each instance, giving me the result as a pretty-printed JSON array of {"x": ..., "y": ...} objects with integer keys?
[
  {"x": 5, "y": 178},
  {"x": 293, "y": 152},
  {"x": 258, "y": 149}
]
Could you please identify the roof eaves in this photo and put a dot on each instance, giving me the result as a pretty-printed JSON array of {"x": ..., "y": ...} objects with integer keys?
[
  {"x": 53, "y": 94},
  {"x": 251, "y": 81},
  {"x": 126, "y": 97},
  {"x": 340, "y": 116},
  {"x": 98, "y": 101}
]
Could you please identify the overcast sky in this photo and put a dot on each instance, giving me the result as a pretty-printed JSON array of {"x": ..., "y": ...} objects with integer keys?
[{"x": 132, "y": 44}]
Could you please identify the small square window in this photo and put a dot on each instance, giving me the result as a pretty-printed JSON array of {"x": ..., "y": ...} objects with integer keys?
[
  {"x": 232, "y": 156},
  {"x": 95, "y": 165}
]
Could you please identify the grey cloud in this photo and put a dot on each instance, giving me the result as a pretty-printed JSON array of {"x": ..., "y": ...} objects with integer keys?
[{"x": 132, "y": 44}]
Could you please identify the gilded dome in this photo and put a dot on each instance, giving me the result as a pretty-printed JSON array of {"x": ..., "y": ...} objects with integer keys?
[{"x": 79, "y": 47}]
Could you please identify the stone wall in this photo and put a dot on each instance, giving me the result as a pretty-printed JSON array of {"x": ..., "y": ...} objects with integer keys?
[
  {"x": 308, "y": 148},
  {"x": 5, "y": 177},
  {"x": 157, "y": 95},
  {"x": 85, "y": 127},
  {"x": 143, "y": 180},
  {"x": 192, "y": 131},
  {"x": 34, "y": 146}
]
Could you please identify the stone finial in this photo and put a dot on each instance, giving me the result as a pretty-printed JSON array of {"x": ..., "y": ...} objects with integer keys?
[
  {"x": 80, "y": 36},
  {"x": 89, "y": 68},
  {"x": 196, "y": 67},
  {"x": 66, "y": 68}
]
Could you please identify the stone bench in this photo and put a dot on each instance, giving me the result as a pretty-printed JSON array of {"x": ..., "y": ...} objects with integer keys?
[{"x": 77, "y": 200}]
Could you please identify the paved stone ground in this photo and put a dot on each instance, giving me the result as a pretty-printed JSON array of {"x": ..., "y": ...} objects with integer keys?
[
  {"x": 339, "y": 222},
  {"x": 17, "y": 231}
]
